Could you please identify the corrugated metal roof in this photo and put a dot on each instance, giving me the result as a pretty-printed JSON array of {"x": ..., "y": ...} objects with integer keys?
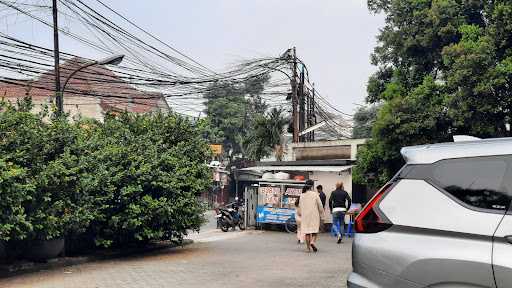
[
  {"x": 299, "y": 168},
  {"x": 329, "y": 162}
]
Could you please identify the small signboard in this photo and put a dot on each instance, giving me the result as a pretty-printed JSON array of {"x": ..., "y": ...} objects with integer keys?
[
  {"x": 292, "y": 191},
  {"x": 273, "y": 215},
  {"x": 216, "y": 149}
]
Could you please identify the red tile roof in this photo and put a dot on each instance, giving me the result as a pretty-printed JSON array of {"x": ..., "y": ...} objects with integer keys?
[{"x": 92, "y": 84}]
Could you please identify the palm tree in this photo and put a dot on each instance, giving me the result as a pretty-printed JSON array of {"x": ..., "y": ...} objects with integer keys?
[
  {"x": 276, "y": 124},
  {"x": 266, "y": 135}
]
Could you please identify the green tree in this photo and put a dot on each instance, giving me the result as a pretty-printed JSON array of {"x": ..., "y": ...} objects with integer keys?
[
  {"x": 265, "y": 137},
  {"x": 209, "y": 132},
  {"x": 363, "y": 121},
  {"x": 232, "y": 108},
  {"x": 444, "y": 69}
]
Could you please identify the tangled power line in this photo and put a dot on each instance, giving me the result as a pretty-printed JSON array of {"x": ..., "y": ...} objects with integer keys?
[{"x": 151, "y": 64}]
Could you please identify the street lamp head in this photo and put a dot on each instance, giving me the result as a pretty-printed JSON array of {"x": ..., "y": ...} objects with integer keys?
[{"x": 112, "y": 60}]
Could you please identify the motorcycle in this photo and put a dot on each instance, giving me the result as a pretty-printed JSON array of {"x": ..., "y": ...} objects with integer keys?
[{"x": 230, "y": 217}]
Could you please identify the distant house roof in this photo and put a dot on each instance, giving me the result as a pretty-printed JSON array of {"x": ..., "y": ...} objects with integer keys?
[
  {"x": 96, "y": 85},
  {"x": 18, "y": 88}
]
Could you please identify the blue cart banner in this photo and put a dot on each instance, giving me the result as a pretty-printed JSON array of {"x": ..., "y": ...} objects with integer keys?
[{"x": 273, "y": 215}]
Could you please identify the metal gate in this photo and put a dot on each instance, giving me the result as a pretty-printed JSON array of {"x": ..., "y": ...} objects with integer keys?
[{"x": 251, "y": 201}]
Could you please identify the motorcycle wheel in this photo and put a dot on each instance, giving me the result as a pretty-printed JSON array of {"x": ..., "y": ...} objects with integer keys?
[
  {"x": 224, "y": 226},
  {"x": 241, "y": 224},
  {"x": 290, "y": 226}
]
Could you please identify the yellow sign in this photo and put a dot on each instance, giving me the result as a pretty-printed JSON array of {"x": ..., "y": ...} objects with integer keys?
[{"x": 216, "y": 149}]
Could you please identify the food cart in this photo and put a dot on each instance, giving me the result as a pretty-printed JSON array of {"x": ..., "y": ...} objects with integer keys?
[{"x": 276, "y": 200}]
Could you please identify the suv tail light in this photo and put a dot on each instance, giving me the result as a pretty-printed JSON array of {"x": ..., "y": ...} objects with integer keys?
[{"x": 371, "y": 220}]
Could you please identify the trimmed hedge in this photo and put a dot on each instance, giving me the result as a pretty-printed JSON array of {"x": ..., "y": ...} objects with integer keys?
[{"x": 131, "y": 179}]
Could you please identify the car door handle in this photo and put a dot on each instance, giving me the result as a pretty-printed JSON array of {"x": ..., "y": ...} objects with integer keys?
[{"x": 509, "y": 239}]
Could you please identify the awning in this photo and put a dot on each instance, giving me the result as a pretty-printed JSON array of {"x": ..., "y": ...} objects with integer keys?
[{"x": 300, "y": 168}]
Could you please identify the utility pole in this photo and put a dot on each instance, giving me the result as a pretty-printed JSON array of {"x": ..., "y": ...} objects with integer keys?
[
  {"x": 302, "y": 103},
  {"x": 295, "y": 99},
  {"x": 58, "y": 93},
  {"x": 313, "y": 116},
  {"x": 308, "y": 114}
]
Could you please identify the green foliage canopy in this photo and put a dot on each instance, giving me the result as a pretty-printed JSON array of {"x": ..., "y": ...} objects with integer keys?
[
  {"x": 445, "y": 68},
  {"x": 232, "y": 110},
  {"x": 265, "y": 136},
  {"x": 363, "y": 121}
]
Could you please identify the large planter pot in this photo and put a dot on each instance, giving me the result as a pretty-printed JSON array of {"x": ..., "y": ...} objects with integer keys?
[
  {"x": 44, "y": 249},
  {"x": 3, "y": 253},
  {"x": 79, "y": 245}
]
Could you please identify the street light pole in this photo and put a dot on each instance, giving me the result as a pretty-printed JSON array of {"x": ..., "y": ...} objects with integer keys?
[
  {"x": 56, "y": 56},
  {"x": 112, "y": 60}
]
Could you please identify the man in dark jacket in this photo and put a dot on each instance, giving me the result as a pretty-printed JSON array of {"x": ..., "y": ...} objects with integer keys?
[
  {"x": 321, "y": 193},
  {"x": 339, "y": 203}
]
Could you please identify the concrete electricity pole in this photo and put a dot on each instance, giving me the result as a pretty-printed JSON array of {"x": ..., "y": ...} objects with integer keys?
[
  {"x": 295, "y": 102},
  {"x": 302, "y": 104},
  {"x": 56, "y": 55},
  {"x": 312, "y": 114}
]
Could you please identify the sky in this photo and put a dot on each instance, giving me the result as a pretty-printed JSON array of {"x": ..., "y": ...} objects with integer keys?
[{"x": 333, "y": 37}]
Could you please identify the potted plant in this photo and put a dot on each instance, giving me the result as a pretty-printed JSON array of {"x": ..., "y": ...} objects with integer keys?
[
  {"x": 3, "y": 254},
  {"x": 53, "y": 206},
  {"x": 15, "y": 192},
  {"x": 33, "y": 183},
  {"x": 42, "y": 250},
  {"x": 46, "y": 240},
  {"x": 48, "y": 213}
]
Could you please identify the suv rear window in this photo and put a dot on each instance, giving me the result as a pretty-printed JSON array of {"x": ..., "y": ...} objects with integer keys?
[{"x": 479, "y": 182}]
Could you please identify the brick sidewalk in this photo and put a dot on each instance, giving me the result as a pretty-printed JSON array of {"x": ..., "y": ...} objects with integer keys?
[{"x": 233, "y": 259}]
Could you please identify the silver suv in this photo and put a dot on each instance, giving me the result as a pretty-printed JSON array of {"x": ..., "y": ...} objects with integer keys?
[{"x": 443, "y": 221}]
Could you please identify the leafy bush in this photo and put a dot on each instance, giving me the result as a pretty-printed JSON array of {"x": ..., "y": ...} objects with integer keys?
[
  {"x": 14, "y": 192},
  {"x": 33, "y": 146},
  {"x": 142, "y": 174},
  {"x": 131, "y": 179}
]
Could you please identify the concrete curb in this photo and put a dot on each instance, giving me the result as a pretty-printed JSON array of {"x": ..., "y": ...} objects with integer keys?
[{"x": 24, "y": 267}]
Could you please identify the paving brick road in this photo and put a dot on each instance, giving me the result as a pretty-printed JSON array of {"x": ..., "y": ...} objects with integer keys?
[{"x": 234, "y": 259}]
